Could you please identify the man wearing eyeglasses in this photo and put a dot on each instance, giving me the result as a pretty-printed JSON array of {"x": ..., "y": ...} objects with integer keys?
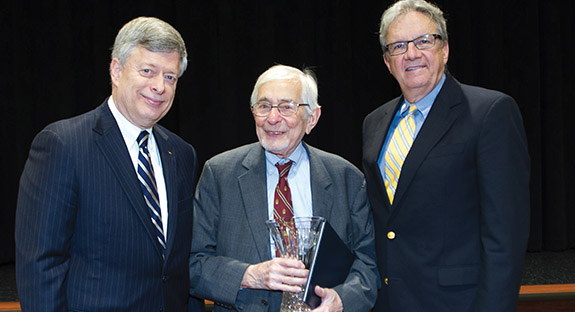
[
  {"x": 447, "y": 174},
  {"x": 233, "y": 260}
]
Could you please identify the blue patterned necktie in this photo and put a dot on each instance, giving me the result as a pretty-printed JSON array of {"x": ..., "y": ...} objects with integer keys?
[
  {"x": 148, "y": 183},
  {"x": 397, "y": 150}
]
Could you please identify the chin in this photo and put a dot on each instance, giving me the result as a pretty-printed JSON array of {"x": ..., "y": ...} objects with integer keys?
[{"x": 274, "y": 147}]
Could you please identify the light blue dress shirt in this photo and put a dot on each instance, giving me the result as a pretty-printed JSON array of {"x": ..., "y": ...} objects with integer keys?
[
  {"x": 423, "y": 107},
  {"x": 299, "y": 181}
]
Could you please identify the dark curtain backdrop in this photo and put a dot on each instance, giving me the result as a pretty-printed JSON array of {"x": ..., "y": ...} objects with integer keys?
[{"x": 55, "y": 57}]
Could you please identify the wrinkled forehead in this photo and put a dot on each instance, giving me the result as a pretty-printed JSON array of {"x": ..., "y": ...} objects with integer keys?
[
  {"x": 276, "y": 91},
  {"x": 409, "y": 26}
]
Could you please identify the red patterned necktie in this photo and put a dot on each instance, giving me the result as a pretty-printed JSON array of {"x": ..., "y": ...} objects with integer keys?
[{"x": 283, "y": 210}]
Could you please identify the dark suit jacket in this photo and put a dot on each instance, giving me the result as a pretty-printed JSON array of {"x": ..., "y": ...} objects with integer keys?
[
  {"x": 230, "y": 233},
  {"x": 84, "y": 239},
  {"x": 455, "y": 237}
]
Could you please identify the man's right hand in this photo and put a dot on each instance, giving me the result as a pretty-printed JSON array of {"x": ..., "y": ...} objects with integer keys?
[{"x": 276, "y": 274}]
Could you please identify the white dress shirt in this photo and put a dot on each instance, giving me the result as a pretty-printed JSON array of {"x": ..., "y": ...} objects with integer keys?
[{"x": 130, "y": 134}]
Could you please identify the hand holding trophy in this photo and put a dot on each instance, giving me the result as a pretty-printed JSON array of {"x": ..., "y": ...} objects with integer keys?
[{"x": 296, "y": 239}]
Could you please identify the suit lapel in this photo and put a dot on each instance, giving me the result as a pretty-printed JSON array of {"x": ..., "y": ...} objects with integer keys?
[
  {"x": 378, "y": 134},
  {"x": 443, "y": 114},
  {"x": 109, "y": 140},
  {"x": 169, "y": 168},
  {"x": 322, "y": 196},
  {"x": 253, "y": 189}
]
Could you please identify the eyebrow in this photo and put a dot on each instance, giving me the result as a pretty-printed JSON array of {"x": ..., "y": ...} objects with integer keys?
[{"x": 280, "y": 100}]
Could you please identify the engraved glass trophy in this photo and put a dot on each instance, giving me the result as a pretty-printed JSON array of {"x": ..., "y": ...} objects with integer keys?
[{"x": 297, "y": 239}]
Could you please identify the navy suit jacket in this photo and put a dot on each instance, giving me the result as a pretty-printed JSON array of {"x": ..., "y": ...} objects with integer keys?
[
  {"x": 230, "y": 233},
  {"x": 455, "y": 237},
  {"x": 84, "y": 239}
]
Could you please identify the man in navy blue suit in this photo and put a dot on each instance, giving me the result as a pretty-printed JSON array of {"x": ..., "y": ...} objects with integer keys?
[
  {"x": 86, "y": 239},
  {"x": 450, "y": 191}
]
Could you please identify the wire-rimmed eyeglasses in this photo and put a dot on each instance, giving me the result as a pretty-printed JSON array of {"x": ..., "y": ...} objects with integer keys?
[
  {"x": 422, "y": 43},
  {"x": 285, "y": 108}
]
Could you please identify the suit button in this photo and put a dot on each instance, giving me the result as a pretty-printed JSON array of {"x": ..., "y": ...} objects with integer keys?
[
  {"x": 386, "y": 280},
  {"x": 391, "y": 235},
  {"x": 164, "y": 278},
  {"x": 265, "y": 302}
]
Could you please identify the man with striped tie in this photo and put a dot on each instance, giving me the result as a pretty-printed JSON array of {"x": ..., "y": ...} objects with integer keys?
[
  {"x": 447, "y": 175},
  {"x": 233, "y": 261},
  {"x": 105, "y": 202}
]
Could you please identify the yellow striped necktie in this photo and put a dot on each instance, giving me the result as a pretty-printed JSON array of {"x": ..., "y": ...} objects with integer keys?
[{"x": 397, "y": 150}]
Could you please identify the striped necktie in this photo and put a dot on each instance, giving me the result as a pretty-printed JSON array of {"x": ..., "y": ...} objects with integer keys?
[
  {"x": 397, "y": 150},
  {"x": 283, "y": 210},
  {"x": 148, "y": 183}
]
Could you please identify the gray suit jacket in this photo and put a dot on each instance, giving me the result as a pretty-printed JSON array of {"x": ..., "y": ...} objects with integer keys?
[{"x": 230, "y": 211}]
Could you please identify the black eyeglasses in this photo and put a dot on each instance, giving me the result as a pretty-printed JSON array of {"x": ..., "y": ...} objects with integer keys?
[
  {"x": 422, "y": 43},
  {"x": 285, "y": 108}
]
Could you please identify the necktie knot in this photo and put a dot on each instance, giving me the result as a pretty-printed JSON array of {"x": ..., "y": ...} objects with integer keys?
[
  {"x": 143, "y": 139},
  {"x": 412, "y": 109},
  {"x": 284, "y": 168}
]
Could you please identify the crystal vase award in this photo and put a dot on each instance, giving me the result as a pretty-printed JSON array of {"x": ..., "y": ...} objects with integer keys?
[{"x": 297, "y": 239}]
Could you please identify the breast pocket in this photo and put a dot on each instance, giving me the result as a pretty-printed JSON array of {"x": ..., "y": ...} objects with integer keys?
[{"x": 446, "y": 150}]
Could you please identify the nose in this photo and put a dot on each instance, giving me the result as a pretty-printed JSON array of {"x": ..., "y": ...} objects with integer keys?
[
  {"x": 274, "y": 116},
  {"x": 158, "y": 84},
  {"x": 412, "y": 51}
]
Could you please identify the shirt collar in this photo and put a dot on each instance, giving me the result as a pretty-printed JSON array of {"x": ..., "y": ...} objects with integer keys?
[
  {"x": 296, "y": 156},
  {"x": 129, "y": 131},
  {"x": 424, "y": 105}
]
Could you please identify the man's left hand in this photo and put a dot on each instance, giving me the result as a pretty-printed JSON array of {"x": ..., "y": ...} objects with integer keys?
[{"x": 330, "y": 301}]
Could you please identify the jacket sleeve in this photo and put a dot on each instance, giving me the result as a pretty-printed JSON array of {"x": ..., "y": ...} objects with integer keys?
[
  {"x": 503, "y": 173},
  {"x": 45, "y": 218},
  {"x": 212, "y": 276},
  {"x": 359, "y": 291}
]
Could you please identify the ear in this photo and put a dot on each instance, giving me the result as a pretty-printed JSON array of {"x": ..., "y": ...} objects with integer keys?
[
  {"x": 445, "y": 49},
  {"x": 312, "y": 120},
  {"x": 115, "y": 71},
  {"x": 386, "y": 60}
]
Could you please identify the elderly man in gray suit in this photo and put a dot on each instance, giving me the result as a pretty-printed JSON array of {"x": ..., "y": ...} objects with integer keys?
[{"x": 232, "y": 259}]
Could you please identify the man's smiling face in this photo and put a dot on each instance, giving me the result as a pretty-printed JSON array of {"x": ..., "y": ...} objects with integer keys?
[
  {"x": 280, "y": 134},
  {"x": 416, "y": 71}
]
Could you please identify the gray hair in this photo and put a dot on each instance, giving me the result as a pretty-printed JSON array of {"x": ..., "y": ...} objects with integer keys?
[
  {"x": 404, "y": 6},
  {"x": 282, "y": 72},
  {"x": 152, "y": 34}
]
